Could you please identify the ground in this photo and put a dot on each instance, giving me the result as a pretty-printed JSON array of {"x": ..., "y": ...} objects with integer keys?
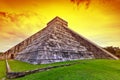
[
  {"x": 2, "y": 69},
  {"x": 99, "y": 69}
]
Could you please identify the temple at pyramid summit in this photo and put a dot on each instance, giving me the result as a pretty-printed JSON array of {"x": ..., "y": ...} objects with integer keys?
[{"x": 56, "y": 43}]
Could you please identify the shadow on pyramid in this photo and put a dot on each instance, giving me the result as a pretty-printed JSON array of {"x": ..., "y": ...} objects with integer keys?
[{"x": 56, "y": 43}]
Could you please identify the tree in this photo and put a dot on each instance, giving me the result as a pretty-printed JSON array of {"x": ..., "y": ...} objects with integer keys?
[{"x": 113, "y": 50}]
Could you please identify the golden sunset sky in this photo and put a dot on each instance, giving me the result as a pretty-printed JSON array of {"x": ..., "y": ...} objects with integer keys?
[{"x": 97, "y": 20}]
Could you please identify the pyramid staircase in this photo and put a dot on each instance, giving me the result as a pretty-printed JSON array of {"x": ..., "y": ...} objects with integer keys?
[{"x": 56, "y": 43}]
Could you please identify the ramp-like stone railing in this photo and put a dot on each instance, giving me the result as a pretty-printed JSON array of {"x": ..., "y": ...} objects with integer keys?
[{"x": 11, "y": 75}]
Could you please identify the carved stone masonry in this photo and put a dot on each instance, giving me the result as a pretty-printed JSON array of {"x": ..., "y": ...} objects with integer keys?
[{"x": 56, "y": 43}]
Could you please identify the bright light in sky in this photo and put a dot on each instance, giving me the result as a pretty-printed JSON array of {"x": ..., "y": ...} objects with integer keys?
[{"x": 97, "y": 20}]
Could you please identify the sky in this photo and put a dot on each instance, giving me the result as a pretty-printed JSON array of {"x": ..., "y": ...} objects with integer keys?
[{"x": 97, "y": 20}]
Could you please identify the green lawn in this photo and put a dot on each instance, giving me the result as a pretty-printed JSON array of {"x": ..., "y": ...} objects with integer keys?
[
  {"x": 2, "y": 69},
  {"x": 23, "y": 66},
  {"x": 85, "y": 70},
  {"x": 17, "y": 66},
  {"x": 98, "y": 69}
]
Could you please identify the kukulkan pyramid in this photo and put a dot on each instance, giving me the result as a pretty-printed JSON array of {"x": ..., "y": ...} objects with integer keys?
[{"x": 55, "y": 43}]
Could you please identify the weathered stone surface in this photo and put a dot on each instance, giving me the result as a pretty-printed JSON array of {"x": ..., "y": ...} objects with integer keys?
[
  {"x": 8, "y": 69},
  {"x": 11, "y": 75},
  {"x": 56, "y": 43}
]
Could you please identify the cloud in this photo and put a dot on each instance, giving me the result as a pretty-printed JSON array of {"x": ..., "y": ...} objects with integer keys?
[
  {"x": 79, "y": 2},
  {"x": 16, "y": 27},
  {"x": 3, "y": 14},
  {"x": 19, "y": 23},
  {"x": 104, "y": 4}
]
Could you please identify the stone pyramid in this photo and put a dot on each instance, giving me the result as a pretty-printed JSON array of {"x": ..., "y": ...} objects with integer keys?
[{"x": 56, "y": 43}]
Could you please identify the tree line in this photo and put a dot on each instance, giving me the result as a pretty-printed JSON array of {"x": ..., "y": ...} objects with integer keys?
[{"x": 113, "y": 50}]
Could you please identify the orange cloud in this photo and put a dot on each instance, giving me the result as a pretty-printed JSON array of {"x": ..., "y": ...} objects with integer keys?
[
  {"x": 16, "y": 27},
  {"x": 79, "y": 2},
  {"x": 94, "y": 19}
]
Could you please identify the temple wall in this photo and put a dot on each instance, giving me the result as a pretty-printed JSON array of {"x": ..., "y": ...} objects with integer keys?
[
  {"x": 56, "y": 43},
  {"x": 24, "y": 44},
  {"x": 98, "y": 51}
]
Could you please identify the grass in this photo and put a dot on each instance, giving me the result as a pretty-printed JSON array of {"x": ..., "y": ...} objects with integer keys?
[
  {"x": 99, "y": 69},
  {"x": 17, "y": 66},
  {"x": 2, "y": 69},
  {"x": 85, "y": 70}
]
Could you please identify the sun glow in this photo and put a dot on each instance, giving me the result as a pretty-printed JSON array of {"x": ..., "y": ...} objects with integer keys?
[{"x": 97, "y": 20}]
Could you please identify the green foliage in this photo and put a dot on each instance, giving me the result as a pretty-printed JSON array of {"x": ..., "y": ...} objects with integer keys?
[
  {"x": 114, "y": 50},
  {"x": 1, "y": 53}
]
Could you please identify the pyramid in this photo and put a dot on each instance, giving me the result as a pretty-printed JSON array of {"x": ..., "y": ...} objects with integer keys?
[{"x": 56, "y": 43}]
